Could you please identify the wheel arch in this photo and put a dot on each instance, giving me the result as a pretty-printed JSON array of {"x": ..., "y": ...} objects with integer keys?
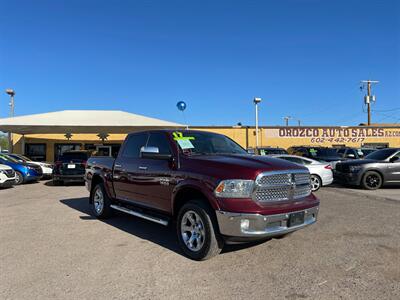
[
  {"x": 96, "y": 179},
  {"x": 373, "y": 170},
  {"x": 186, "y": 193}
]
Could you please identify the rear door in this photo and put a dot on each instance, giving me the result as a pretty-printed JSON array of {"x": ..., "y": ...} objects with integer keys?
[{"x": 127, "y": 172}]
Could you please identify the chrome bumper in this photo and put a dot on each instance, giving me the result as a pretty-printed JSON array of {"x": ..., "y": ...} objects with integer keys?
[{"x": 235, "y": 224}]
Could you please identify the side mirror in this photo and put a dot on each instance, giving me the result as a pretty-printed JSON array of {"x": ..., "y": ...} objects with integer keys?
[
  {"x": 394, "y": 159},
  {"x": 153, "y": 153}
]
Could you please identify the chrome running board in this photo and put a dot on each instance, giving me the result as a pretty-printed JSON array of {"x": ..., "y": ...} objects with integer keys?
[{"x": 140, "y": 215}]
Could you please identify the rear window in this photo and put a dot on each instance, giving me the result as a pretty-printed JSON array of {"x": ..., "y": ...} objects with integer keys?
[{"x": 74, "y": 156}]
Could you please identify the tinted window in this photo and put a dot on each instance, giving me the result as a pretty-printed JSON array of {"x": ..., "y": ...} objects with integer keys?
[
  {"x": 323, "y": 152},
  {"x": 341, "y": 151},
  {"x": 133, "y": 145},
  {"x": 381, "y": 154},
  {"x": 8, "y": 158},
  {"x": 293, "y": 159},
  {"x": 160, "y": 141},
  {"x": 68, "y": 156}
]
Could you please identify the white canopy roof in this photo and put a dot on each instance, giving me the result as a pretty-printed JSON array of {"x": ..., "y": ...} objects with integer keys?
[{"x": 82, "y": 121}]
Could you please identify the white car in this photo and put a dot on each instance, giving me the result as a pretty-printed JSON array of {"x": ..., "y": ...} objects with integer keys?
[
  {"x": 7, "y": 176},
  {"x": 47, "y": 168},
  {"x": 321, "y": 172}
]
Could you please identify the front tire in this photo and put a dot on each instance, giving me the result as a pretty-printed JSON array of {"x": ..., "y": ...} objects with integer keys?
[
  {"x": 371, "y": 180},
  {"x": 19, "y": 179},
  {"x": 101, "y": 202},
  {"x": 198, "y": 231},
  {"x": 316, "y": 182}
]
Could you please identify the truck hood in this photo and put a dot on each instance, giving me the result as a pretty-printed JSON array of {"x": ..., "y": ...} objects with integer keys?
[{"x": 239, "y": 166}]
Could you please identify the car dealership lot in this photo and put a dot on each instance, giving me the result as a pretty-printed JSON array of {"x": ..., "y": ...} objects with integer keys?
[{"x": 51, "y": 247}]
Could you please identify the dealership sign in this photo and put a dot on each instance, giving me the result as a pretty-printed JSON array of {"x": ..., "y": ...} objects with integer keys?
[{"x": 333, "y": 134}]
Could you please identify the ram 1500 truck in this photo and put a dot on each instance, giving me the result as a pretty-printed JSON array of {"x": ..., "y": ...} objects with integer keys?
[{"x": 205, "y": 184}]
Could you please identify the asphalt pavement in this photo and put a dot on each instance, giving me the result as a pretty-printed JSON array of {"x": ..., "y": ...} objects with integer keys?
[{"x": 52, "y": 248}]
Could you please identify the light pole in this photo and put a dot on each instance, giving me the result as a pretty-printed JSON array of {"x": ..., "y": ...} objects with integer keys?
[
  {"x": 11, "y": 93},
  {"x": 256, "y": 101}
]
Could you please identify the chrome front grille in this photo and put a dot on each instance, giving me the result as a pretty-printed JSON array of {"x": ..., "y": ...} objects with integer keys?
[
  {"x": 10, "y": 173},
  {"x": 282, "y": 186}
]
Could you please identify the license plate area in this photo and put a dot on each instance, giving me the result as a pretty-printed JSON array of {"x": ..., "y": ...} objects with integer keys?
[
  {"x": 296, "y": 219},
  {"x": 70, "y": 166}
]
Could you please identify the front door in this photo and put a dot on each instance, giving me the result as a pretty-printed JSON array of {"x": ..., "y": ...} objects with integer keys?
[
  {"x": 393, "y": 170},
  {"x": 156, "y": 174}
]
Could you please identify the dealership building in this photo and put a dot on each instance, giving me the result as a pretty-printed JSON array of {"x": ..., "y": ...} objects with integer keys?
[{"x": 46, "y": 136}]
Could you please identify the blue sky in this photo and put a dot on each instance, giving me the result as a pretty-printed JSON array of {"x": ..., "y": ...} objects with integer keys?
[{"x": 304, "y": 58}]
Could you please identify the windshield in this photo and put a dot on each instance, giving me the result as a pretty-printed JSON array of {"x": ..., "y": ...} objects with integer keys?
[
  {"x": 381, "y": 154},
  {"x": 323, "y": 152},
  {"x": 8, "y": 158},
  {"x": 206, "y": 143},
  {"x": 20, "y": 157}
]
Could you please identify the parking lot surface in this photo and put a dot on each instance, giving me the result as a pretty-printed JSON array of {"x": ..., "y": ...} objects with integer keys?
[{"x": 51, "y": 247}]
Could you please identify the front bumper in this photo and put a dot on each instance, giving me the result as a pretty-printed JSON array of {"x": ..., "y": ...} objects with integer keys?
[
  {"x": 352, "y": 178},
  {"x": 7, "y": 183},
  {"x": 261, "y": 226}
]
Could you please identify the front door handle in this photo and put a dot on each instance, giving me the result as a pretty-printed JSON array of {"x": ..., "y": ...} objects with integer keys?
[{"x": 142, "y": 168}]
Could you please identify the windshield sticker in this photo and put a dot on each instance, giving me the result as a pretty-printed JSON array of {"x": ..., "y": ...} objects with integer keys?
[
  {"x": 179, "y": 136},
  {"x": 185, "y": 144},
  {"x": 262, "y": 151}
]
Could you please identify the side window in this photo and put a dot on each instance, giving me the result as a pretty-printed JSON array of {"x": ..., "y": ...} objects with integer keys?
[
  {"x": 133, "y": 145},
  {"x": 293, "y": 160},
  {"x": 160, "y": 141},
  {"x": 341, "y": 151},
  {"x": 305, "y": 162}
]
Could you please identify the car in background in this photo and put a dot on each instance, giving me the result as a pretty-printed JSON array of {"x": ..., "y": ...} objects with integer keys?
[
  {"x": 379, "y": 168},
  {"x": 7, "y": 176},
  {"x": 70, "y": 167},
  {"x": 270, "y": 151},
  {"x": 47, "y": 168},
  {"x": 350, "y": 153},
  {"x": 25, "y": 172},
  {"x": 317, "y": 153},
  {"x": 367, "y": 151},
  {"x": 321, "y": 173}
]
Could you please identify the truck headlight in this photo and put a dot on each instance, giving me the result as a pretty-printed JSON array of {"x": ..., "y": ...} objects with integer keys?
[
  {"x": 354, "y": 169},
  {"x": 234, "y": 188}
]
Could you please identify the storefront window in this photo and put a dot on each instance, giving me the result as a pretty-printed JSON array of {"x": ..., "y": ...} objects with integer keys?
[{"x": 36, "y": 152}]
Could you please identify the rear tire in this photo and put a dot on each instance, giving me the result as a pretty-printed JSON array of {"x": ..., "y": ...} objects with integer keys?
[
  {"x": 19, "y": 179},
  {"x": 372, "y": 180},
  {"x": 316, "y": 182},
  {"x": 101, "y": 202},
  {"x": 197, "y": 231}
]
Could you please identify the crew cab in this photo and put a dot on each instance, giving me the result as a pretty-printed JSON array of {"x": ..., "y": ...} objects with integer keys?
[{"x": 204, "y": 183}]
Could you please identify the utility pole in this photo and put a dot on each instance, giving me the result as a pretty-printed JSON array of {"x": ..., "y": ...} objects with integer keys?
[
  {"x": 256, "y": 102},
  {"x": 11, "y": 93},
  {"x": 287, "y": 118},
  {"x": 368, "y": 98}
]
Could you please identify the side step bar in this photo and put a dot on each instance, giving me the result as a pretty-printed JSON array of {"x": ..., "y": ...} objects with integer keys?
[{"x": 140, "y": 215}]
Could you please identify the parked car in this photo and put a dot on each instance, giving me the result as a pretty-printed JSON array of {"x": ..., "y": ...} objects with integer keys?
[
  {"x": 317, "y": 153},
  {"x": 70, "y": 167},
  {"x": 47, "y": 168},
  {"x": 25, "y": 172},
  {"x": 7, "y": 176},
  {"x": 270, "y": 151},
  {"x": 209, "y": 185},
  {"x": 381, "y": 167},
  {"x": 349, "y": 153},
  {"x": 321, "y": 173}
]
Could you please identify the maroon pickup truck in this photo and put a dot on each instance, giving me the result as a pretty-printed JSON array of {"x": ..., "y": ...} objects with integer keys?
[{"x": 206, "y": 184}]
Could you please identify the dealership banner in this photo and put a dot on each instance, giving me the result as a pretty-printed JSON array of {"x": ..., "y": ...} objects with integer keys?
[{"x": 333, "y": 134}]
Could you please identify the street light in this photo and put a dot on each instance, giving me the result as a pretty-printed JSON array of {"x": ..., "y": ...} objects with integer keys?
[
  {"x": 11, "y": 93},
  {"x": 256, "y": 101}
]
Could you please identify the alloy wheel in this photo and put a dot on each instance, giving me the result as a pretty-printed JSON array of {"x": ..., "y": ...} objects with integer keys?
[
  {"x": 373, "y": 180},
  {"x": 98, "y": 200},
  {"x": 192, "y": 231},
  {"x": 315, "y": 183}
]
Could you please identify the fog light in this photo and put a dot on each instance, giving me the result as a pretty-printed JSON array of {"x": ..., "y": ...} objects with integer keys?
[{"x": 244, "y": 224}]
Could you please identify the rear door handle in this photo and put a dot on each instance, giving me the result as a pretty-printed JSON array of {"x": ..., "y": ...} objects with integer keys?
[{"x": 142, "y": 168}]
